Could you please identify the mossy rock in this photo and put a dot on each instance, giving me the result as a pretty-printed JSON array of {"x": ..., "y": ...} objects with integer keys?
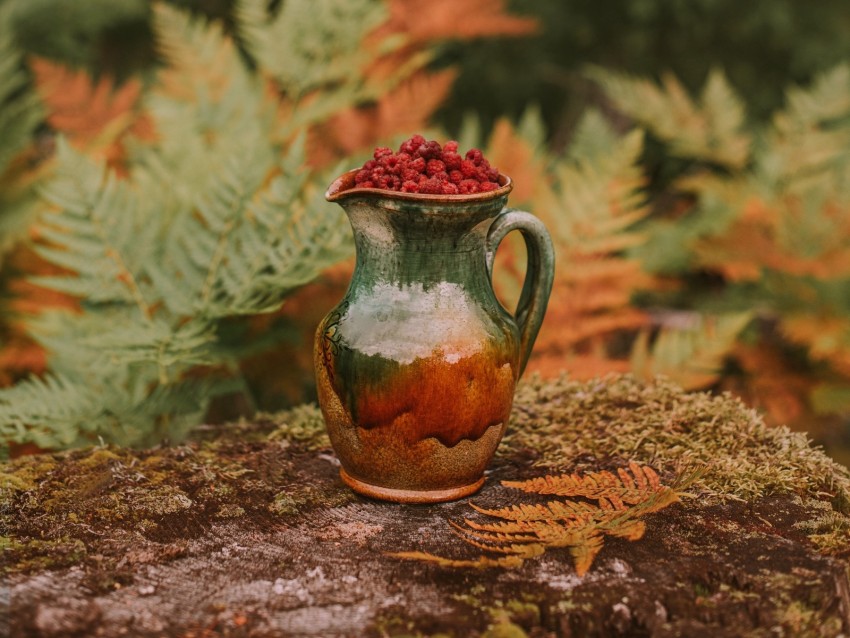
[{"x": 247, "y": 530}]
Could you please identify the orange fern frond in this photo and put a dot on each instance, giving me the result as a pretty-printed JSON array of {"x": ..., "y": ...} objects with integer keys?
[
  {"x": 526, "y": 530},
  {"x": 407, "y": 107},
  {"x": 631, "y": 486},
  {"x": 449, "y": 19},
  {"x": 82, "y": 109}
]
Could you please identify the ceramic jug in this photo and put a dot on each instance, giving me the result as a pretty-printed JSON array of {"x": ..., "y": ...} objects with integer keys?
[{"x": 416, "y": 367}]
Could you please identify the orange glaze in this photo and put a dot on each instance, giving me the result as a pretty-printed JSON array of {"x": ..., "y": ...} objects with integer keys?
[{"x": 448, "y": 400}]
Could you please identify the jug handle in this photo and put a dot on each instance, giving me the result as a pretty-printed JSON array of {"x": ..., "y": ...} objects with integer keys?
[{"x": 538, "y": 276}]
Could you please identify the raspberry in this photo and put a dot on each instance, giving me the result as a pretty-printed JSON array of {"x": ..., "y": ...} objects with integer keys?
[
  {"x": 430, "y": 150},
  {"x": 431, "y": 186},
  {"x": 423, "y": 166},
  {"x": 452, "y": 160},
  {"x": 469, "y": 170},
  {"x": 410, "y": 146},
  {"x": 474, "y": 155},
  {"x": 410, "y": 175},
  {"x": 418, "y": 164},
  {"x": 434, "y": 166},
  {"x": 392, "y": 164}
]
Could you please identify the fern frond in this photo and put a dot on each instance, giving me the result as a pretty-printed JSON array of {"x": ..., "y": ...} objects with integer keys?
[
  {"x": 632, "y": 486},
  {"x": 691, "y": 356},
  {"x": 20, "y": 110},
  {"x": 447, "y": 19},
  {"x": 482, "y": 562},
  {"x": 91, "y": 234},
  {"x": 711, "y": 130},
  {"x": 554, "y": 510},
  {"x": 20, "y": 114},
  {"x": 52, "y": 412},
  {"x": 527, "y": 530},
  {"x": 309, "y": 44},
  {"x": 80, "y": 108}
]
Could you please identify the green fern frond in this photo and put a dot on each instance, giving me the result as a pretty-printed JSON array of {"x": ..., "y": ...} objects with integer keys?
[
  {"x": 52, "y": 412},
  {"x": 309, "y": 44},
  {"x": 214, "y": 219},
  {"x": 692, "y": 356},
  {"x": 711, "y": 130},
  {"x": 593, "y": 137},
  {"x": 20, "y": 108},
  {"x": 598, "y": 199},
  {"x": 20, "y": 114}
]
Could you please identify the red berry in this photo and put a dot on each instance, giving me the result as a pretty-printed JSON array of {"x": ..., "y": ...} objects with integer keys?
[
  {"x": 434, "y": 166},
  {"x": 452, "y": 160},
  {"x": 469, "y": 169},
  {"x": 410, "y": 175},
  {"x": 410, "y": 146},
  {"x": 392, "y": 164},
  {"x": 430, "y": 150},
  {"x": 424, "y": 166},
  {"x": 432, "y": 186},
  {"x": 474, "y": 155},
  {"x": 418, "y": 165}
]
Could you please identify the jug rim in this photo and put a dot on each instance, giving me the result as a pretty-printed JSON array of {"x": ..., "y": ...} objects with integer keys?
[{"x": 343, "y": 187}]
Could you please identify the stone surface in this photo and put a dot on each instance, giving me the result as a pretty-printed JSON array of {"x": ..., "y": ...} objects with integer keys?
[{"x": 248, "y": 531}]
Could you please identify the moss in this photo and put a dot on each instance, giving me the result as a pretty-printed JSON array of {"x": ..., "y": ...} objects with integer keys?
[
  {"x": 556, "y": 425},
  {"x": 161, "y": 500},
  {"x": 303, "y": 424},
  {"x": 230, "y": 510},
  {"x": 37, "y": 554},
  {"x": 661, "y": 424},
  {"x": 504, "y": 628}
]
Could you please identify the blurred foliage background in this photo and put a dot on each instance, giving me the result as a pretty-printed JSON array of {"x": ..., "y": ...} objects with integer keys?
[{"x": 165, "y": 251}]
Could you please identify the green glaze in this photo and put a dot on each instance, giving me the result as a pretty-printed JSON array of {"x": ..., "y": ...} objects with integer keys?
[{"x": 417, "y": 365}]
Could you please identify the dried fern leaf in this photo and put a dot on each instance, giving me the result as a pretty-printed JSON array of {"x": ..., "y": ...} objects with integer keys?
[
  {"x": 482, "y": 562},
  {"x": 631, "y": 487},
  {"x": 584, "y": 554}
]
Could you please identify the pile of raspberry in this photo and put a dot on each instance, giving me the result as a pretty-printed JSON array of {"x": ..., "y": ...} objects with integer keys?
[{"x": 426, "y": 167}]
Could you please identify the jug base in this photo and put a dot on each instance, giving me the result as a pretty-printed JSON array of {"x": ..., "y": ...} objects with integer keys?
[{"x": 409, "y": 496}]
